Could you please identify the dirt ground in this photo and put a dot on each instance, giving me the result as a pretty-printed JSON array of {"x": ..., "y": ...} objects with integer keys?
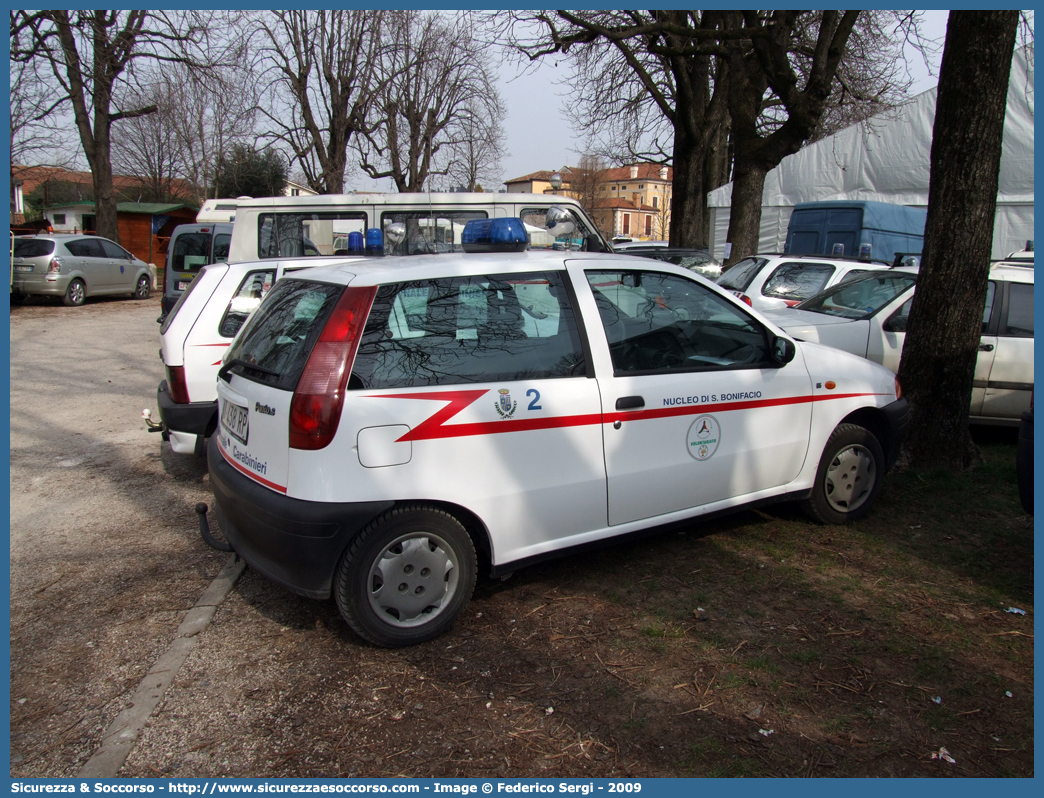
[{"x": 756, "y": 645}]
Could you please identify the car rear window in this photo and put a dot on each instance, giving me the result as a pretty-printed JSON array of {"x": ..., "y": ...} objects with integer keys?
[
  {"x": 469, "y": 329},
  {"x": 797, "y": 280},
  {"x": 280, "y": 336},
  {"x": 738, "y": 277},
  {"x": 191, "y": 252},
  {"x": 32, "y": 247}
]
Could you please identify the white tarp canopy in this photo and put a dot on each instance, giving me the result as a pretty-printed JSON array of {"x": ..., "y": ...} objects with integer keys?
[{"x": 888, "y": 160}]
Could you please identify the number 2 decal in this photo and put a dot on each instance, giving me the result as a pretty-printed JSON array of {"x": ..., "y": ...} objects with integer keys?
[{"x": 536, "y": 398}]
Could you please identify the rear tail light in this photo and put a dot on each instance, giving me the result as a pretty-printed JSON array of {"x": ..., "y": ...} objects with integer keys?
[
  {"x": 54, "y": 266},
  {"x": 744, "y": 298},
  {"x": 788, "y": 302},
  {"x": 316, "y": 407},
  {"x": 176, "y": 386},
  {"x": 898, "y": 389}
]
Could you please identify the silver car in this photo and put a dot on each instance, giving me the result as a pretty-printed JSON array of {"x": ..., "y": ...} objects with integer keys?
[{"x": 75, "y": 267}]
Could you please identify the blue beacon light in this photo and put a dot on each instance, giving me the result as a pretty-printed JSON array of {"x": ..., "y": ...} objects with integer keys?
[{"x": 504, "y": 234}]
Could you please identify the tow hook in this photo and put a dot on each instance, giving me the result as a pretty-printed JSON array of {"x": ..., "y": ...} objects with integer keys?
[
  {"x": 204, "y": 530},
  {"x": 152, "y": 426}
]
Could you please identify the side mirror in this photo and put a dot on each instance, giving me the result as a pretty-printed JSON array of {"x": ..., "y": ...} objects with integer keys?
[
  {"x": 783, "y": 351},
  {"x": 594, "y": 244},
  {"x": 897, "y": 324},
  {"x": 558, "y": 221},
  {"x": 395, "y": 233}
]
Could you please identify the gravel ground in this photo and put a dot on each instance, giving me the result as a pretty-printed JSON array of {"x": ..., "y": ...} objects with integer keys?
[{"x": 105, "y": 553}]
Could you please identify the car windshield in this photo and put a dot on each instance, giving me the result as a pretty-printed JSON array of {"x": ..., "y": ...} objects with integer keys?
[{"x": 860, "y": 298}]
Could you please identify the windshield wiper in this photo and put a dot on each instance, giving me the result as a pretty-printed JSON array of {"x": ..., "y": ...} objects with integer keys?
[{"x": 238, "y": 361}]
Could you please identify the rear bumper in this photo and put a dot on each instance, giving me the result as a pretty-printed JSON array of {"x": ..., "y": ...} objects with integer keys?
[
  {"x": 196, "y": 418},
  {"x": 38, "y": 284},
  {"x": 295, "y": 543},
  {"x": 897, "y": 415}
]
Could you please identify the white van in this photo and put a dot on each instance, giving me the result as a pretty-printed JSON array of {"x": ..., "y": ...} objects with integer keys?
[
  {"x": 218, "y": 210},
  {"x": 411, "y": 224}
]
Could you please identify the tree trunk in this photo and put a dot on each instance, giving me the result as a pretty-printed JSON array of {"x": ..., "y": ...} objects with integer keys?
[
  {"x": 105, "y": 222},
  {"x": 942, "y": 342},
  {"x": 748, "y": 184},
  {"x": 688, "y": 193}
]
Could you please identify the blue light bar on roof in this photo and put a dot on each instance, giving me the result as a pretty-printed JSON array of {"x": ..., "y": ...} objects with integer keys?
[{"x": 506, "y": 234}]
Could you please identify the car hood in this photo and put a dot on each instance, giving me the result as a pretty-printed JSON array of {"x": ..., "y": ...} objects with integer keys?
[{"x": 793, "y": 320}]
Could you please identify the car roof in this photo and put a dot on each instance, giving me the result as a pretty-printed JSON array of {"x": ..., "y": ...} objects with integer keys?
[
  {"x": 62, "y": 236},
  {"x": 378, "y": 271},
  {"x": 1012, "y": 272},
  {"x": 821, "y": 258}
]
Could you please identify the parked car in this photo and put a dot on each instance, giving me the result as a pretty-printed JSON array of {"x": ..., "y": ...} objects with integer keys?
[
  {"x": 630, "y": 244},
  {"x": 1024, "y": 459},
  {"x": 770, "y": 282},
  {"x": 388, "y": 424},
  {"x": 198, "y": 329},
  {"x": 74, "y": 267},
  {"x": 695, "y": 260},
  {"x": 191, "y": 247},
  {"x": 868, "y": 317}
]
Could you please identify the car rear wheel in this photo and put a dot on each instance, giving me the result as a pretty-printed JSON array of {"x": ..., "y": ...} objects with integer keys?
[
  {"x": 406, "y": 577},
  {"x": 75, "y": 294},
  {"x": 143, "y": 288},
  {"x": 848, "y": 478}
]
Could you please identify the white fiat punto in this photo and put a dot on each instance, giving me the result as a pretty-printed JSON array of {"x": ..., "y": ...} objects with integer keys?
[{"x": 390, "y": 426}]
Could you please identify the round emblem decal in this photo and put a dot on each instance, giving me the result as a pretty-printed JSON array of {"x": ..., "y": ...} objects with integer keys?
[{"x": 704, "y": 435}]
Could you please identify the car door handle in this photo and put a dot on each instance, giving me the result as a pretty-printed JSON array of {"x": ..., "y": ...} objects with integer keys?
[
  {"x": 985, "y": 347},
  {"x": 630, "y": 403}
]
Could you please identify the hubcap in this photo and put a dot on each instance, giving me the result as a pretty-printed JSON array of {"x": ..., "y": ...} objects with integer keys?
[
  {"x": 143, "y": 287},
  {"x": 413, "y": 580},
  {"x": 76, "y": 293},
  {"x": 850, "y": 478}
]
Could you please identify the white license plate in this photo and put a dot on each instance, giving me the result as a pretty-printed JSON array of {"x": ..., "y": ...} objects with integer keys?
[
  {"x": 236, "y": 421},
  {"x": 27, "y": 268}
]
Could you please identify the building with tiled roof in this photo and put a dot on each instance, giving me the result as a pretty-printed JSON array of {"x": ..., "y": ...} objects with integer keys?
[
  {"x": 628, "y": 201},
  {"x": 540, "y": 182}
]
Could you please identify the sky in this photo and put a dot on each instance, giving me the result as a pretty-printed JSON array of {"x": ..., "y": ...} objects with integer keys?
[{"x": 540, "y": 137}]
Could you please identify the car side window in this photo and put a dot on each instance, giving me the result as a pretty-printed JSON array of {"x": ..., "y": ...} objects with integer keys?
[
  {"x": 426, "y": 232},
  {"x": 797, "y": 280},
  {"x": 469, "y": 329},
  {"x": 85, "y": 248},
  {"x": 113, "y": 251},
  {"x": 1019, "y": 322},
  {"x": 245, "y": 301},
  {"x": 661, "y": 323}
]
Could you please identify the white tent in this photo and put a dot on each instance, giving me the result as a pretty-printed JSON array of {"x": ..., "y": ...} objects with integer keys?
[{"x": 888, "y": 160}]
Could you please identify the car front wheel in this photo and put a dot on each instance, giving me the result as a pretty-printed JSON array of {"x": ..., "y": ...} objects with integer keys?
[
  {"x": 143, "y": 288},
  {"x": 848, "y": 478},
  {"x": 406, "y": 577}
]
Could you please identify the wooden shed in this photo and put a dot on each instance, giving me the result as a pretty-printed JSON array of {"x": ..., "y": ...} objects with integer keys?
[{"x": 144, "y": 227}]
